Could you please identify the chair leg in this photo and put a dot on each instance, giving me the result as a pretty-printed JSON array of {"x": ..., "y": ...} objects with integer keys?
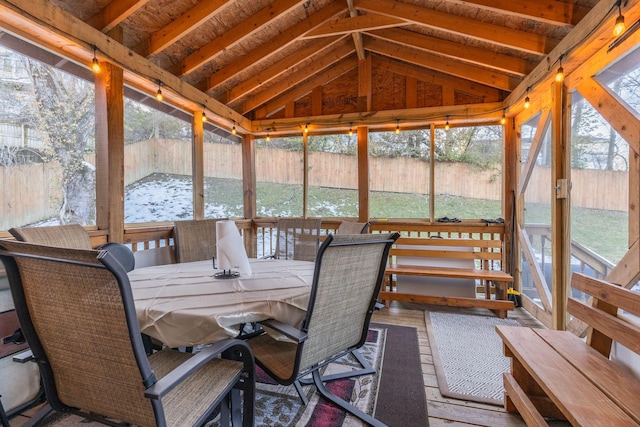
[
  {"x": 298, "y": 385},
  {"x": 324, "y": 392},
  {"x": 367, "y": 369}
]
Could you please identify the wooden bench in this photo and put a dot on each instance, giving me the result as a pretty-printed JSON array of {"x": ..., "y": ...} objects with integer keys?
[
  {"x": 555, "y": 374},
  {"x": 481, "y": 254}
]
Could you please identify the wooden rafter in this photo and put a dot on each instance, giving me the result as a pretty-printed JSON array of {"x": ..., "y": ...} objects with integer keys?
[
  {"x": 321, "y": 71},
  {"x": 357, "y": 37},
  {"x": 553, "y": 11},
  {"x": 478, "y": 56},
  {"x": 354, "y": 24},
  {"x": 176, "y": 29},
  {"x": 284, "y": 39},
  {"x": 234, "y": 35},
  {"x": 457, "y": 68},
  {"x": 317, "y": 47},
  {"x": 114, "y": 13},
  {"x": 527, "y": 42}
]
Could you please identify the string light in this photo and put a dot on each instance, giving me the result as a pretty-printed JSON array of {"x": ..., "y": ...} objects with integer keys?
[
  {"x": 350, "y": 130},
  {"x": 619, "y": 26},
  {"x": 95, "y": 65},
  {"x": 446, "y": 125},
  {"x": 527, "y": 101},
  {"x": 397, "y": 127},
  {"x": 233, "y": 130},
  {"x": 503, "y": 120},
  {"x": 560, "y": 73},
  {"x": 204, "y": 116},
  {"x": 306, "y": 128},
  {"x": 159, "y": 96},
  {"x": 268, "y": 137}
]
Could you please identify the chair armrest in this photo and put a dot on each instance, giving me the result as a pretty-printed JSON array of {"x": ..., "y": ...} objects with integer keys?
[
  {"x": 241, "y": 351},
  {"x": 289, "y": 331}
]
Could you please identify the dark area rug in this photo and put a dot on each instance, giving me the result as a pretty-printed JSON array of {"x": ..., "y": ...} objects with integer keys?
[{"x": 395, "y": 395}]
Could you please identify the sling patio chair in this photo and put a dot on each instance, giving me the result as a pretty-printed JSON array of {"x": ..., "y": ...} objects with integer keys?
[
  {"x": 298, "y": 238},
  {"x": 349, "y": 272},
  {"x": 351, "y": 227},
  {"x": 77, "y": 312},
  {"x": 72, "y": 236},
  {"x": 195, "y": 239}
]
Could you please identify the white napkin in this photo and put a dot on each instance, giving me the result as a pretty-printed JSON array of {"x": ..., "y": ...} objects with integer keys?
[{"x": 230, "y": 251}]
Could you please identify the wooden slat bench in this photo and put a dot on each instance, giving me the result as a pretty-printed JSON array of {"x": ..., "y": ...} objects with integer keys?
[
  {"x": 555, "y": 374},
  {"x": 482, "y": 254}
]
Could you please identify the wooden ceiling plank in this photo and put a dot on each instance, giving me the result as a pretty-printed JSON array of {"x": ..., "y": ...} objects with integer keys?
[
  {"x": 472, "y": 54},
  {"x": 437, "y": 78},
  {"x": 371, "y": 21},
  {"x": 521, "y": 40},
  {"x": 317, "y": 66},
  {"x": 176, "y": 29},
  {"x": 284, "y": 39},
  {"x": 556, "y": 12},
  {"x": 434, "y": 62},
  {"x": 246, "y": 28},
  {"x": 114, "y": 13},
  {"x": 317, "y": 47}
]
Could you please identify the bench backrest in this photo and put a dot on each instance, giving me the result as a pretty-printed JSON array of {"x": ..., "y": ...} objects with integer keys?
[
  {"x": 602, "y": 316},
  {"x": 485, "y": 254}
]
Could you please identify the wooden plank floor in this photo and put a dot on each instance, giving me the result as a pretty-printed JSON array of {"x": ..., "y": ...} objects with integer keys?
[
  {"x": 445, "y": 411},
  {"x": 442, "y": 411}
]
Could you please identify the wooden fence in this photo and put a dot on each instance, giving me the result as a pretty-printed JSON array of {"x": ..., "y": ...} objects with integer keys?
[{"x": 29, "y": 190}]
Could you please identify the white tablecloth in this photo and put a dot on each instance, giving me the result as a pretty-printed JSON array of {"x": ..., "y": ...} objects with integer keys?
[{"x": 184, "y": 305}]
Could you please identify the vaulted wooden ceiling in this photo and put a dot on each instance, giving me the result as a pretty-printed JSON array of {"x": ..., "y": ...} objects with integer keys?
[{"x": 261, "y": 57}]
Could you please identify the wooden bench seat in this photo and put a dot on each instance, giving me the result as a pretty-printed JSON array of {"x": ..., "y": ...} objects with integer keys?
[
  {"x": 436, "y": 252},
  {"x": 555, "y": 374}
]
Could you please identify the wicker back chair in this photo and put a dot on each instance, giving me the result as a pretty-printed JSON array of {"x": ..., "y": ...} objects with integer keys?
[
  {"x": 348, "y": 275},
  {"x": 63, "y": 236},
  {"x": 195, "y": 239},
  {"x": 77, "y": 312},
  {"x": 350, "y": 227},
  {"x": 298, "y": 238}
]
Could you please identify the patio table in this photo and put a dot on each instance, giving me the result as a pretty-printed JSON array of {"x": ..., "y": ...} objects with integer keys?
[{"x": 184, "y": 304}]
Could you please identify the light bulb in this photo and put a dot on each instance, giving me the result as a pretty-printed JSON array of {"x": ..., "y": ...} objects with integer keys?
[
  {"x": 619, "y": 27},
  {"x": 268, "y": 137},
  {"x": 527, "y": 103},
  {"x": 446, "y": 125},
  {"x": 204, "y": 117},
  {"x": 560, "y": 74},
  {"x": 503, "y": 120},
  {"x": 306, "y": 128},
  {"x": 159, "y": 95},
  {"x": 350, "y": 131},
  {"x": 233, "y": 131},
  {"x": 95, "y": 65}
]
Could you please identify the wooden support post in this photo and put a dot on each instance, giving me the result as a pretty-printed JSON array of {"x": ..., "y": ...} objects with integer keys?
[
  {"x": 249, "y": 190},
  {"x": 432, "y": 174},
  {"x": 305, "y": 172},
  {"x": 510, "y": 187},
  {"x": 197, "y": 165},
  {"x": 109, "y": 111},
  {"x": 363, "y": 174}
]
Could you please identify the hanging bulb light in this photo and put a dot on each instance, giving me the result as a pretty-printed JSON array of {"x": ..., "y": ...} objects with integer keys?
[
  {"x": 560, "y": 73},
  {"x": 397, "y": 127},
  {"x": 503, "y": 119},
  {"x": 446, "y": 125},
  {"x": 233, "y": 130},
  {"x": 159, "y": 96},
  {"x": 350, "y": 130},
  {"x": 619, "y": 26},
  {"x": 204, "y": 117},
  {"x": 527, "y": 101},
  {"x": 268, "y": 137},
  {"x": 95, "y": 65},
  {"x": 306, "y": 128}
]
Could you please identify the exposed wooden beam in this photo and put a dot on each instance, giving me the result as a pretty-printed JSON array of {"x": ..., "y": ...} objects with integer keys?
[
  {"x": 521, "y": 40},
  {"x": 622, "y": 117},
  {"x": 301, "y": 84},
  {"x": 284, "y": 39},
  {"x": 536, "y": 144},
  {"x": 316, "y": 47},
  {"x": 555, "y": 12},
  {"x": 458, "y": 115},
  {"x": 176, "y": 29},
  {"x": 53, "y": 28},
  {"x": 457, "y": 68},
  {"x": 114, "y": 13},
  {"x": 489, "y": 94},
  {"x": 479, "y": 56},
  {"x": 357, "y": 37},
  {"x": 371, "y": 21},
  {"x": 246, "y": 28}
]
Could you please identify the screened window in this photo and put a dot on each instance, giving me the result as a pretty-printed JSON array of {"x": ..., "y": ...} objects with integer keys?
[{"x": 222, "y": 176}]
